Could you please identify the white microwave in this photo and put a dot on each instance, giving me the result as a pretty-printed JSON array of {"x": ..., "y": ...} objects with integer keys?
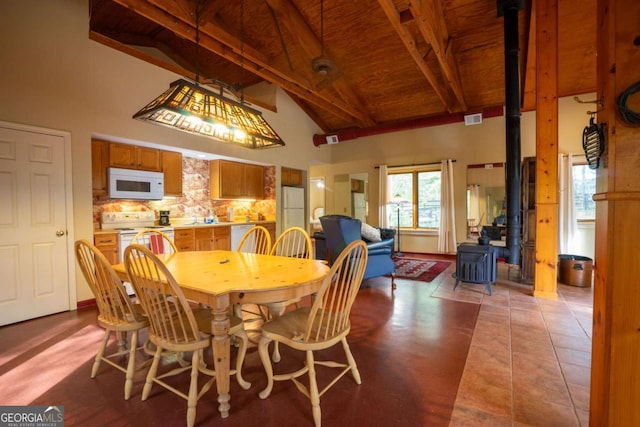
[{"x": 135, "y": 184}]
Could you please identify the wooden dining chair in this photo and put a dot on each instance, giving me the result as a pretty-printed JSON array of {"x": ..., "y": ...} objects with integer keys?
[
  {"x": 321, "y": 326},
  {"x": 176, "y": 326},
  {"x": 256, "y": 241},
  {"x": 294, "y": 242},
  {"x": 157, "y": 241},
  {"x": 116, "y": 311}
]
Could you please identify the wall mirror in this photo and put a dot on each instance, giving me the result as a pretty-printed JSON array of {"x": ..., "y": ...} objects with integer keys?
[
  {"x": 486, "y": 196},
  {"x": 351, "y": 195},
  {"x": 316, "y": 201}
]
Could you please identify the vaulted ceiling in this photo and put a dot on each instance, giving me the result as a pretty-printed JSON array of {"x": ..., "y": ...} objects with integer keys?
[{"x": 351, "y": 64}]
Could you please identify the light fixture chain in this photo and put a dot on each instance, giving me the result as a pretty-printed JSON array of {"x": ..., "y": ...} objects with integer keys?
[
  {"x": 321, "y": 28},
  {"x": 197, "y": 42},
  {"x": 242, "y": 51}
]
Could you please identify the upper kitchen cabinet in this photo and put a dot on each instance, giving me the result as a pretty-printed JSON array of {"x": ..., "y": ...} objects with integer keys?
[
  {"x": 254, "y": 181},
  {"x": 105, "y": 154},
  {"x": 172, "y": 168},
  {"x": 233, "y": 180},
  {"x": 291, "y": 177},
  {"x": 135, "y": 157},
  {"x": 99, "y": 164}
]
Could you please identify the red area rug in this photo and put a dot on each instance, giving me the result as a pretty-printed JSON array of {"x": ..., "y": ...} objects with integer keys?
[{"x": 423, "y": 270}]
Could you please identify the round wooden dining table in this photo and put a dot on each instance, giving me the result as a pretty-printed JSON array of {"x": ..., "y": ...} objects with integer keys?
[{"x": 219, "y": 279}]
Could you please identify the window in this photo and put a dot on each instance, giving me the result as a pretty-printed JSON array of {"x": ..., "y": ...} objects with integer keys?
[
  {"x": 418, "y": 204},
  {"x": 584, "y": 185}
]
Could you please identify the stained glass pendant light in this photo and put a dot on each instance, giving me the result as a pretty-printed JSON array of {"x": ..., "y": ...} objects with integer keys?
[
  {"x": 191, "y": 108},
  {"x": 188, "y": 107}
]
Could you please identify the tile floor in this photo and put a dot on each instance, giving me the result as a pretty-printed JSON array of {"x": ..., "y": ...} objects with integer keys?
[{"x": 529, "y": 359}]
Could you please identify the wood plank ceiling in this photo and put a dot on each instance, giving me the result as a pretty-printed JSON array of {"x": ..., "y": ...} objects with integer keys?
[{"x": 386, "y": 62}]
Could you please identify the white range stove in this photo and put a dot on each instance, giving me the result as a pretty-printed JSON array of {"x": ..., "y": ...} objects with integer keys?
[{"x": 127, "y": 224}]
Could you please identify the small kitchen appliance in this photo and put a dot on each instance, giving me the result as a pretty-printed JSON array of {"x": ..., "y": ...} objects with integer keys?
[
  {"x": 164, "y": 218},
  {"x": 135, "y": 184}
]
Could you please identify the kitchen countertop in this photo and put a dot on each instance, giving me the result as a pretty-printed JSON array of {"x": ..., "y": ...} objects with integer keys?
[
  {"x": 219, "y": 224},
  {"x": 199, "y": 224}
]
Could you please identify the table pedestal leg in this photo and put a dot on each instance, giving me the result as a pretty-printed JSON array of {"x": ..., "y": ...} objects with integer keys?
[{"x": 221, "y": 356}]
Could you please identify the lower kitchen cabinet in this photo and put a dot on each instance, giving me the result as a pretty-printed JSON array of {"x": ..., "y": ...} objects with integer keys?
[
  {"x": 107, "y": 244},
  {"x": 184, "y": 239},
  {"x": 203, "y": 238},
  {"x": 222, "y": 238}
]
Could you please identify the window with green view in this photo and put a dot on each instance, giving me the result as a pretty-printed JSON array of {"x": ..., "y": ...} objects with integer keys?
[{"x": 415, "y": 199}]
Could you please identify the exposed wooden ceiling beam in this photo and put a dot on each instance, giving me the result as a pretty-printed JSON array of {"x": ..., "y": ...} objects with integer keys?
[
  {"x": 176, "y": 18},
  {"x": 430, "y": 21},
  {"x": 174, "y": 67},
  {"x": 289, "y": 15},
  {"x": 210, "y": 8},
  {"x": 396, "y": 20}
]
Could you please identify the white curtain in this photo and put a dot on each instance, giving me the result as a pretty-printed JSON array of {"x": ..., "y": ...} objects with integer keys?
[
  {"x": 383, "y": 197},
  {"x": 447, "y": 235},
  {"x": 567, "y": 224}
]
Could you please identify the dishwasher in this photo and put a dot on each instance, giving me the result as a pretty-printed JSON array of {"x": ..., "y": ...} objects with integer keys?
[{"x": 237, "y": 231}]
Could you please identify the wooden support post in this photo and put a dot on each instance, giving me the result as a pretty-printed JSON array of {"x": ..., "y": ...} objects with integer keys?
[
  {"x": 615, "y": 364},
  {"x": 545, "y": 282}
]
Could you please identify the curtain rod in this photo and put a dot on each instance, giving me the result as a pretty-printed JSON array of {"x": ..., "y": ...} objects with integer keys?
[{"x": 423, "y": 164}]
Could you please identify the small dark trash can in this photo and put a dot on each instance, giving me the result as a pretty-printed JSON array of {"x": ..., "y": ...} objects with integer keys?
[{"x": 575, "y": 270}]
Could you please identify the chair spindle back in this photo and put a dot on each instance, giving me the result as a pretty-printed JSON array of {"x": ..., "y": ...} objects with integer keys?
[
  {"x": 330, "y": 311},
  {"x": 157, "y": 241},
  {"x": 170, "y": 316},
  {"x": 294, "y": 242},
  {"x": 256, "y": 241},
  {"x": 114, "y": 305}
]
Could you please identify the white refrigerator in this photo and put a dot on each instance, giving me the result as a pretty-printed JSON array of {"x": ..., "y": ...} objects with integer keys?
[
  {"x": 293, "y": 207},
  {"x": 358, "y": 206}
]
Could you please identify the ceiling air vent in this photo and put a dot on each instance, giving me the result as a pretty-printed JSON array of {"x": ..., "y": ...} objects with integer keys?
[
  {"x": 332, "y": 139},
  {"x": 473, "y": 119}
]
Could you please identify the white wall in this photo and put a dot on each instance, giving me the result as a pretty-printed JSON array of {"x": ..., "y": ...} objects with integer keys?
[{"x": 54, "y": 77}]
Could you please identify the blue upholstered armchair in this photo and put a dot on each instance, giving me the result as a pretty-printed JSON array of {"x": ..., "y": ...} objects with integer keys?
[{"x": 339, "y": 230}]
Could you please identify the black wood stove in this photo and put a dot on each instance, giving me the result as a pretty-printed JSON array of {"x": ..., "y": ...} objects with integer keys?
[{"x": 476, "y": 264}]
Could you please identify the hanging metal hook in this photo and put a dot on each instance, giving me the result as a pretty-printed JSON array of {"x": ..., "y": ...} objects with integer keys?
[{"x": 599, "y": 102}]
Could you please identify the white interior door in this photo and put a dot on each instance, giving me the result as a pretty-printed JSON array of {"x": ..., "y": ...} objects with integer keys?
[{"x": 33, "y": 225}]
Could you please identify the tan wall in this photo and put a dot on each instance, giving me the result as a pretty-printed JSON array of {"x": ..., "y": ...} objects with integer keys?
[
  {"x": 54, "y": 77},
  {"x": 484, "y": 143}
]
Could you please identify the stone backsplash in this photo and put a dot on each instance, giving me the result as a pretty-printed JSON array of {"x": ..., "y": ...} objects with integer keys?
[{"x": 195, "y": 201}]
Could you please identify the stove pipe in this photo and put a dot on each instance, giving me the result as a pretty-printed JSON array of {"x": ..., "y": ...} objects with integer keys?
[{"x": 509, "y": 10}]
